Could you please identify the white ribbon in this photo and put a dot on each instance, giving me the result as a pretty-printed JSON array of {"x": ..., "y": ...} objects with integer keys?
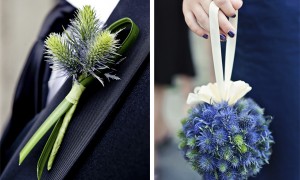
[{"x": 223, "y": 89}]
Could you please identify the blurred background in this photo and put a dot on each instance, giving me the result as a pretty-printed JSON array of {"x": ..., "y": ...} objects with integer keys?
[
  {"x": 182, "y": 61},
  {"x": 170, "y": 164},
  {"x": 20, "y": 22}
]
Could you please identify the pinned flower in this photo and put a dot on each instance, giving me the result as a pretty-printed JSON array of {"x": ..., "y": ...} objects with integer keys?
[
  {"x": 230, "y": 91},
  {"x": 85, "y": 51},
  {"x": 85, "y": 48}
]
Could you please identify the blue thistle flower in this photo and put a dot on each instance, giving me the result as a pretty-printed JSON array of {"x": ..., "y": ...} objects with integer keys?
[
  {"x": 199, "y": 124},
  {"x": 252, "y": 138},
  {"x": 209, "y": 176},
  {"x": 197, "y": 128},
  {"x": 205, "y": 142},
  {"x": 206, "y": 163},
  {"x": 208, "y": 113},
  {"x": 226, "y": 153},
  {"x": 228, "y": 117},
  {"x": 247, "y": 159},
  {"x": 220, "y": 136},
  {"x": 234, "y": 162},
  {"x": 228, "y": 175},
  {"x": 188, "y": 129},
  {"x": 222, "y": 166},
  {"x": 227, "y": 142},
  {"x": 247, "y": 122}
]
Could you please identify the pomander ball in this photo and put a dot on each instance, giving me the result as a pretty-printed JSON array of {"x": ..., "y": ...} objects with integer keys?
[{"x": 224, "y": 141}]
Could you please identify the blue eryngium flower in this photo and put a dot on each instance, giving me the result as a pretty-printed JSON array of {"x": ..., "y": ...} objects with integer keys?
[{"x": 226, "y": 142}]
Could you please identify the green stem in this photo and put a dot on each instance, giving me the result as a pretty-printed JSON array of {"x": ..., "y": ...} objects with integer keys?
[
  {"x": 59, "y": 111},
  {"x": 86, "y": 81},
  {"x": 60, "y": 136},
  {"x": 47, "y": 149}
]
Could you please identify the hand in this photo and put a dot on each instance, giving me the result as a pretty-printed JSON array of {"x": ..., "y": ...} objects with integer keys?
[{"x": 196, "y": 16}]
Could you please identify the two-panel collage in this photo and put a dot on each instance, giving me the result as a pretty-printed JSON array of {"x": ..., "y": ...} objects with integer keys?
[{"x": 149, "y": 89}]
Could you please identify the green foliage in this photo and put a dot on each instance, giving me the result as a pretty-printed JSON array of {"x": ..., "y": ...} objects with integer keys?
[
  {"x": 191, "y": 142},
  {"x": 192, "y": 154},
  {"x": 183, "y": 121},
  {"x": 182, "y": 143},
  {"x": 180, "y": 134}
]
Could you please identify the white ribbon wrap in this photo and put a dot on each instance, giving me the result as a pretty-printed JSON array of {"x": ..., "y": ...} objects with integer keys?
[{"x": 222, "y": 90}]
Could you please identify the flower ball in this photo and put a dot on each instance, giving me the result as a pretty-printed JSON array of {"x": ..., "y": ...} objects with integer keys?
[{"x": 224, "y": 141}]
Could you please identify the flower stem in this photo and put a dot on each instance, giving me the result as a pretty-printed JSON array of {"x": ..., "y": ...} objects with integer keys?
[
  {"x": 60, "y": 136},
  {"x": 59, "y": 111},
  {"x": 47, "y": 149}
]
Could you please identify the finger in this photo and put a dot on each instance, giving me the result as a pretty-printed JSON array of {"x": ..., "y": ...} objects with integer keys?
[
  {"x": 201, "y": 16},
  {"x": 205, "y": 5},
  {"x": 194, "y": 26},
  {"x": 223, "y": 36},
  {"x": 236, "y": 4},
  {"x": 226, "y": 7},
  {"x": 225, "y": 25}
]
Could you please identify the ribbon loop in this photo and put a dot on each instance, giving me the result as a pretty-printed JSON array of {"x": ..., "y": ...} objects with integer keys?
[
  {"x": 224, "y": 89},
  {"x": 216, "y": 46}
]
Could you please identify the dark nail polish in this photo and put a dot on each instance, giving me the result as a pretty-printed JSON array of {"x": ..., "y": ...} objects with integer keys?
[
  {"x": 205, "y": 36},
  {"x": 233, "y": 16},
  {"x": 222, "y": 37},
  {"x": 231, "y": 34}
]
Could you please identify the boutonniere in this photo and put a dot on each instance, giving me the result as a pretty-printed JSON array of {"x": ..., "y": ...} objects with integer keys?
[
  {"x": 225, "y": 135},
  {"x": 85, "y": 51}
]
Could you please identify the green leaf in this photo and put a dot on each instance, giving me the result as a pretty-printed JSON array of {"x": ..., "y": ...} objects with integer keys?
[
  {"x": 47, "y": 149},
  {"x": 132, "y": 36},
  {"x": 182, "y": 143},
  {"x": 184, "y": 121},
  {"x": 60, "y": 135},
  {"x": 192, "y": 154},
  {"x": 60, "y": 110},
  {"x": 180, "y": 134}
]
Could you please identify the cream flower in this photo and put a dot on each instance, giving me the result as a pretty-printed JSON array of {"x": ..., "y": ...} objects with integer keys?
[{"x": 230, "y": 91}]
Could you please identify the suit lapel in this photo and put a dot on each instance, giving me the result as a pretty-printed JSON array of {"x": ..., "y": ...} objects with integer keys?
[{"x": 96, "y": 104}]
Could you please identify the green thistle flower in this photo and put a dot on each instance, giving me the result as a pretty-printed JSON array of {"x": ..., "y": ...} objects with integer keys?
[
  {"x": 60, "y": 55},
  {"x": 85, "y": 48}
]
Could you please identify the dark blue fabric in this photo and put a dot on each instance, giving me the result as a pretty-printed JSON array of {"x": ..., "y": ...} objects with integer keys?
[
  {"x": 120, "y": 149},
  {"x": 31, "y": 92},
  {"x": 268, "y": 58}
]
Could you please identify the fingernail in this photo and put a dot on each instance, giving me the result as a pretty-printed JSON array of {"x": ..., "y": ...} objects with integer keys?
[
  {"x": 230, "y": 33},
  {"x": 222, "y": 37},
  {"x": 233, "y": 16},
  {"x": 205, "y": 36}
]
